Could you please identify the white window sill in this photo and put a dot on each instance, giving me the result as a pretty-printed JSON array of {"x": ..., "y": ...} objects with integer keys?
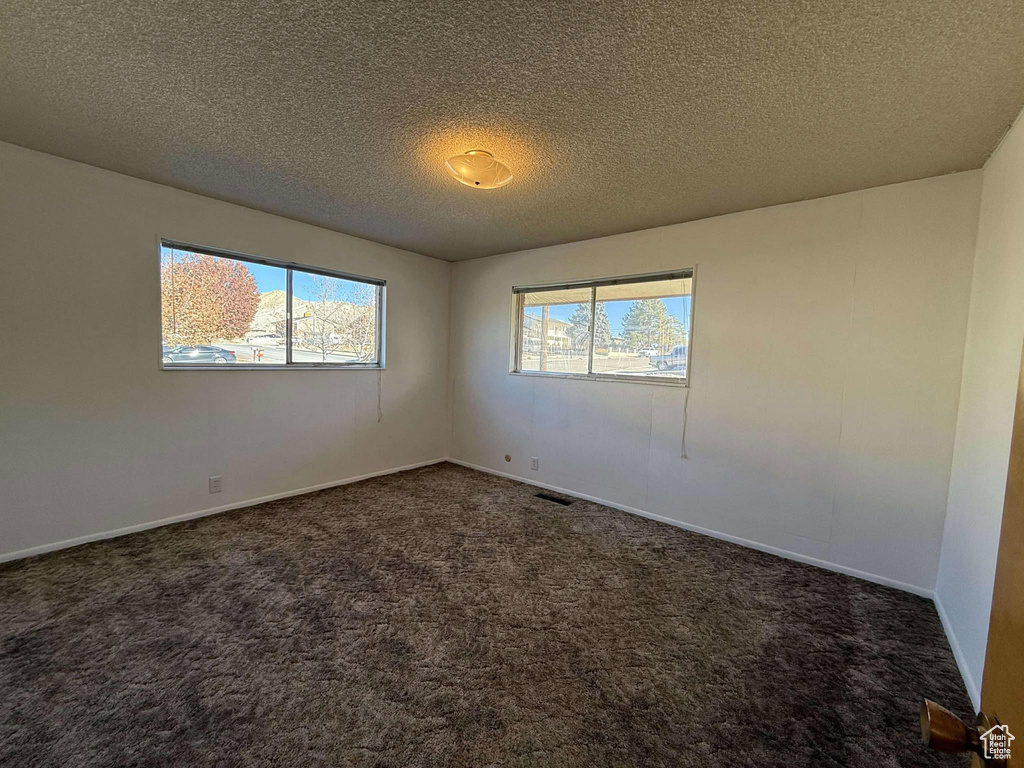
[
  {"x": 295, "y": 367},
  {"x": 655, "y": 381}
]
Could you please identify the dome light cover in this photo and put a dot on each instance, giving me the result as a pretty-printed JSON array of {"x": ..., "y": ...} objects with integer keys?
[{"x": 478, "y": 169}]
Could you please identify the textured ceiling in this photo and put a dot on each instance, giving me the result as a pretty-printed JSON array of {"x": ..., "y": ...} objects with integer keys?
[{"x": 614, "y": 115}]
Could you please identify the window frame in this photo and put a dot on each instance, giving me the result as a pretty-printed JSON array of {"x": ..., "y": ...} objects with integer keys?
[
  {"x": 519, "y": 291},
  {"x": 289, "y": 266}
]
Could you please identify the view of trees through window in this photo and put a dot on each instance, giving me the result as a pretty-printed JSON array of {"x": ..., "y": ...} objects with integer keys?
[
  {"x": 221, "y": 311},
  {"x": 638, "y": 329}
]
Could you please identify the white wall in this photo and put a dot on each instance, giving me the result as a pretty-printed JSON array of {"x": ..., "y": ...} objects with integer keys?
[
  {"x": 828, "y": 344},
  {"x": 94, "y": 437},
  {"x": 995, "y": 332}
]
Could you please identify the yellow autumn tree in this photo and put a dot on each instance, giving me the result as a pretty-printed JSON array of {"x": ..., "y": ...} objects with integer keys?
[{"x": 205, "y": 298}]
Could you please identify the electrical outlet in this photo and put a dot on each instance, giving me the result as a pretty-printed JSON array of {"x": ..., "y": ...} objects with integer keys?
[
  {"x": 216, "y": 484},
  {"x": 534, "y": 462}
]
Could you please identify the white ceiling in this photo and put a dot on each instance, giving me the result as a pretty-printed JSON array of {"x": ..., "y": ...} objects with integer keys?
[{"x": 614, "y": 115}]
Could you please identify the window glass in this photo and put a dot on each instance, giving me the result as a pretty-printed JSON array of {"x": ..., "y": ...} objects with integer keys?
[
  {"x": 555, "y": 331},
  {"x": 220, "y": 310},
  {"x": 333, "y": 320},
  {"x": 640, "y": 329},
  {"x": 643, "y": 329},
  {"x": 212, "y": 307}
]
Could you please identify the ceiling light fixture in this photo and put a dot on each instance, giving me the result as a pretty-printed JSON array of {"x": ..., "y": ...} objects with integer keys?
[{"x": 477, "y": 168}]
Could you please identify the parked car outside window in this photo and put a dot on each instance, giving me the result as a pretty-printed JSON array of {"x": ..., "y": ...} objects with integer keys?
[
  {"x": 199, "y": 355},
  {"x": 674, "y": 359}
]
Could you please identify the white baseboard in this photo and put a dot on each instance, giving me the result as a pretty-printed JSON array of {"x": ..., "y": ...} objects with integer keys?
[
  {"x": 883, "y": 580},
  {"x": 44, "y": 548},
  {"x": 972, "y": 688}
]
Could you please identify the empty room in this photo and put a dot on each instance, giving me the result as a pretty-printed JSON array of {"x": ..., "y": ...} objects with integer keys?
[{"x": 500, "y": 384}]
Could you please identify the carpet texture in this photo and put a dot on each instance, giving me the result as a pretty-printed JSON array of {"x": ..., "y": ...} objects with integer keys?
[{"x": 444, "y": 617}]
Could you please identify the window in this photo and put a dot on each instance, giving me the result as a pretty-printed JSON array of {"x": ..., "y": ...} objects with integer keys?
[
  {"x": 224, "y": 310},
  {"x": 623, "y": 328}
]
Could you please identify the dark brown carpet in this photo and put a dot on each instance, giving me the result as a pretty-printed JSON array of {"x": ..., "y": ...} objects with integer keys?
[{"x": 443, "y": 617}]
